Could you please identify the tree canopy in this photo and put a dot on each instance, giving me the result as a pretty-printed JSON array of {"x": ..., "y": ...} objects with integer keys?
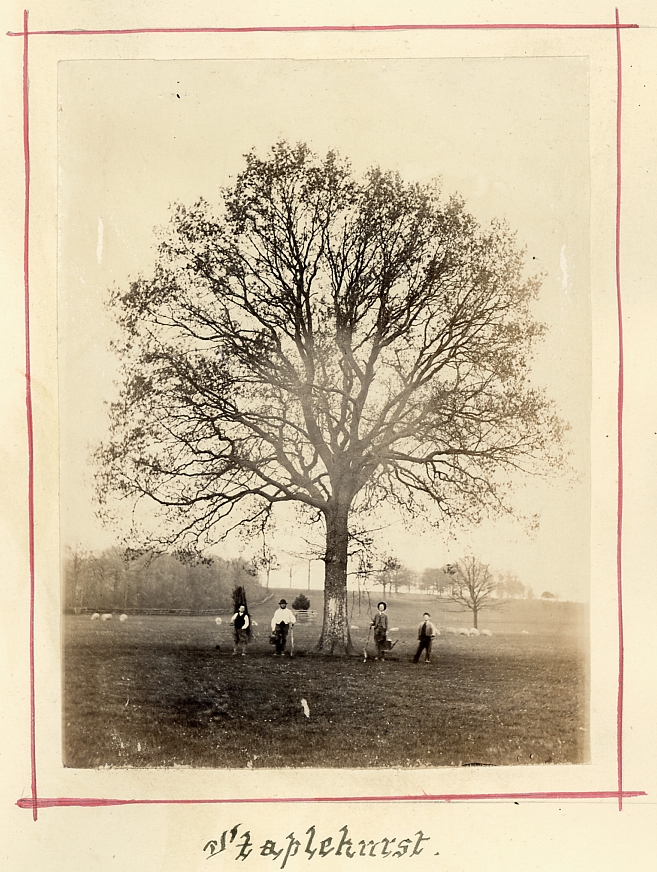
[{"x": 327, "y": 341}]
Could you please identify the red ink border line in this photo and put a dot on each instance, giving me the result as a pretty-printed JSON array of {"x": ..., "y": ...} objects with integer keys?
[
  {"x": 421, "y": 797},
  {"x": 35, "y": 802},
  {"x": 329, "y": 28},
  {"x": 28, "y": 401},
  {"x": 620, "y": 406}
]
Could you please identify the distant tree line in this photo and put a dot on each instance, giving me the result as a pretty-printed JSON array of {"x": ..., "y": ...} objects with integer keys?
[
  {"x": 472, "y": 585},
  {"x": 389, "y": 573},
  {"x": 127, "y": 580},
  {"x": 123, "y": 580},
  {"x": 440, "y": 582}
]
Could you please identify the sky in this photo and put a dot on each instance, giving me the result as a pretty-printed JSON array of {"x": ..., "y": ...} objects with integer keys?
[{"x": 509, "y": 135}]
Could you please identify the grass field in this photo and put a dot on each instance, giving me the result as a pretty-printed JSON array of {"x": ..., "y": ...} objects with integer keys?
[{"x": 155, "y": 691}]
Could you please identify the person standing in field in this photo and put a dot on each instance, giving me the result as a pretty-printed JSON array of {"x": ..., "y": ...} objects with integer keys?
[
  {"x": 426, "y": 632},
  {"x": 241, "y": 630},
  {"x": 280, "y": 626},
  {"x": 380, "y": 625}
]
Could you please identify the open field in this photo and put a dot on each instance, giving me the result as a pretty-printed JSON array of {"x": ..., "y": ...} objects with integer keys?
[{"x": 155, "y": 691}]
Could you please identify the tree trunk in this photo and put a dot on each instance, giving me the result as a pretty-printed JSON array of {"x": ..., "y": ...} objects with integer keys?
[
  {"x": 335, "y": 638},
  {"x": 474, "y": 615}
]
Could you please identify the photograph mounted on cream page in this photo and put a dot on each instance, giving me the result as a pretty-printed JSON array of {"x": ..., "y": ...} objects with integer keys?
[
  {"x": 330, "y": 482},
  {"x": 324, "y": 336}
]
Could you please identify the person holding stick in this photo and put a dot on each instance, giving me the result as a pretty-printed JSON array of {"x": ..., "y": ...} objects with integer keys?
[
  {"x": 380, "y": 625},
  {"x": 281, "y": 624}
]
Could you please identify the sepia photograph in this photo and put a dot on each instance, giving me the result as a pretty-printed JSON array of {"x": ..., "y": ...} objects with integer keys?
[{"x": 324, "y": 356}]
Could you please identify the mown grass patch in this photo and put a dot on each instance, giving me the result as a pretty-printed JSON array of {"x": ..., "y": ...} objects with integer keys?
[{"x": 155, "y": 692}]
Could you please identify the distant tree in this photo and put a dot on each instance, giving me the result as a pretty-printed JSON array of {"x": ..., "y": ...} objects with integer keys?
[
  {"x": 108, "y": 571},
  {"x": 301, "y": 602},
  {"x": 385, "y": 576},
  {"x": 239, "y": 598},
  {"x": 436, "y": 581},
  {"x": 404, "y": 577},
  {"x": 474, "y": 587},
  {"x": 76, "y": 589},
  {"x": 400, "y": 576},
  {"x": 510, "y": 586},
  {"x": 328, "y": 341},
  {"x": 547, "y": 595}
]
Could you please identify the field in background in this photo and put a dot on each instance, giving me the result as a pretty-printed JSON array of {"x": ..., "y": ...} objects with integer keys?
[{"x": 156, "y": 691}]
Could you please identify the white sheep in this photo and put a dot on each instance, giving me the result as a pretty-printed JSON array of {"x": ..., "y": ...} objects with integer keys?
[
  {"x": 218, "y": 621},
  {"x": 353, "y": 627},
  {"x": 95, "y": 616},
  {"x": 451, "y": 631},
  {"x": 437, "y": 632},
  {"x": 106, "y": 617},
  {"x": 525, "y": 632},
  {"x": 474, "y": 631},
  {"x": 463, "y": 631},
  {"x": 486, "y": 633},
  {"x": 123, "y": 618}
]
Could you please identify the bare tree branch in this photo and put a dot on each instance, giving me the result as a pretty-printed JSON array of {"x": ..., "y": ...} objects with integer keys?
[{"x": 328, "y": 341}]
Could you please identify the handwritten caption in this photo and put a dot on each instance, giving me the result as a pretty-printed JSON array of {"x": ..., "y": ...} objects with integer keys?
[{"x": 237, "y": 842}]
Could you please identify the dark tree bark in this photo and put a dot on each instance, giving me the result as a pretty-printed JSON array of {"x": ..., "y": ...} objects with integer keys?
[{"x": 335, "y": 637}]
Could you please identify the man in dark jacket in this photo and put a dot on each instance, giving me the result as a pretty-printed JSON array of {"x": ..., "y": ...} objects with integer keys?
[
  {"x": 241, "y": 630},
  {"x": 380, "y": 625},
  {"x": 426, "y": 632}
]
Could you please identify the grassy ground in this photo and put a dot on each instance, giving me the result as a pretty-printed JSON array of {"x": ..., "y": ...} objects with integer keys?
[{"x": 155, "y": 691}]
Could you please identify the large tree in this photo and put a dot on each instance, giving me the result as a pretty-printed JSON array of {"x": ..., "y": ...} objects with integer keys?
[{"x": 327, "y": 341}]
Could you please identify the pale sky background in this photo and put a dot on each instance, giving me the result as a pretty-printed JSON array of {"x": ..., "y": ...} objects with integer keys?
[{"x": 509, "y": 135}]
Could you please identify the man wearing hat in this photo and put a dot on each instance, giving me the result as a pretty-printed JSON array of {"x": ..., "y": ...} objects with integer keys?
[
  {"x": 280, "y": 624},
  {"x": 380, "y": 625},
  {"x": 426, "y": 632}
]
